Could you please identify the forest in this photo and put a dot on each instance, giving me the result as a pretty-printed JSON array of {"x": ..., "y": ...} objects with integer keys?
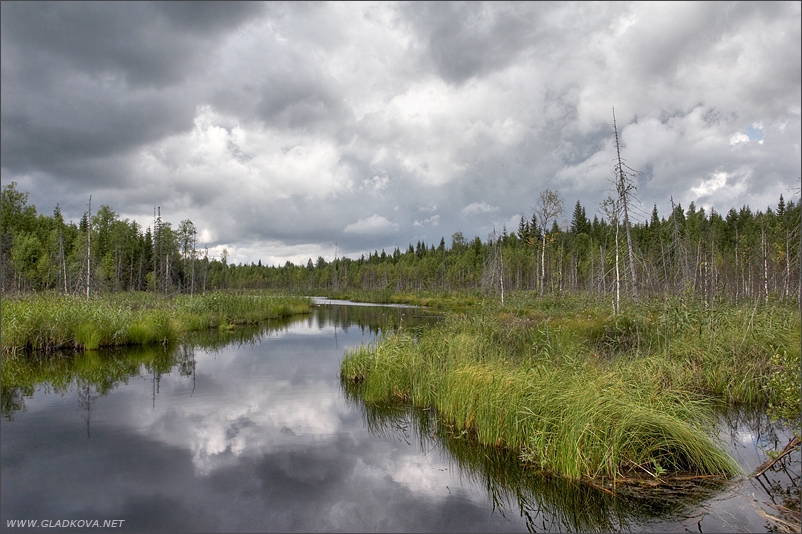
[{"x": 741, "y": 255}]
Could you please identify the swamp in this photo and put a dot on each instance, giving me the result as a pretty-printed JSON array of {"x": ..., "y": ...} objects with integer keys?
[{"x": 259, "y": 427}]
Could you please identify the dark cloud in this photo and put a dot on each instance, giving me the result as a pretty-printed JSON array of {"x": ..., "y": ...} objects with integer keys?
[
  {"x": 209, "y": 18},
  {"x": 468, "y": 39},
  {"x": 144, "y": 43},
  {"x": 64, "y": 135},
  {"x": 85, "y": 80},
  {"x": 279, "y": 127},
  {"x": 299, "y": 102}
]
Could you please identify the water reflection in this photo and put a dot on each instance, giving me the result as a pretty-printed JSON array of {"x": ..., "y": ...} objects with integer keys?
[
  {"x": 251, "y": 430},
  {"x": 90, "y": 374},
  {"x": 770, "y": 501},
  {"x": 247, "y": 433},
  {"x": 547, "y": 503},
  {"x": 104, "y": 370}
]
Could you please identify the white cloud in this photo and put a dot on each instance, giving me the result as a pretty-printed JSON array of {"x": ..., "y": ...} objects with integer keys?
[
  {"x": 434, "y": 220},
  {"x": 721, "y": 190},
  {"x": 476, "y": 208},
  {"x": 273, "y": 252},
  {"x": 375, "y": 224},
  {"x": 376, "y": 183},
  {"x": 222, "y": 155},
  {"x": 712, "y": 184},
  {"x": 738, "y": 138}
]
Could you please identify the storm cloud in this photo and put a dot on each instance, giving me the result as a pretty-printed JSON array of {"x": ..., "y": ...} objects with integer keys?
[{"x": 288, "y": 131}]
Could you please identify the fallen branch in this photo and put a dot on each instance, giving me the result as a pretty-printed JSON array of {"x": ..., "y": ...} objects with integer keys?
[
  {"x": 601, "y": 488},
  {"x": 664, "y": 481},
  {"x": 692, "y": 477},
  {"x": 762, "y": 468},
  {"x": 785, "y": 526},
  {"x": 794, "y": 514}
]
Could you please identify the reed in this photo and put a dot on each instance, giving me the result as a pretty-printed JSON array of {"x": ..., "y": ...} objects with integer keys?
[
  {"x": 572, "y": 421},
  {"x": 511, "y": 486},
  {"x": 580, "y": 392},
  {"x": 49, "y": 321}
]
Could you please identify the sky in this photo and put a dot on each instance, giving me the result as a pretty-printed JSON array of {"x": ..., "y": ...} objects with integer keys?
[{"x": 292, "y": 131}]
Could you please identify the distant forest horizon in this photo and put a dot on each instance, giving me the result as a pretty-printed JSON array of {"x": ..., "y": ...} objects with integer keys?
[{"x": 740, "y": 254}]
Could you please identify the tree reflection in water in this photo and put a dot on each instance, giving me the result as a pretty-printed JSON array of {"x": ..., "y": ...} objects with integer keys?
[{"x": 545, "y": 502}]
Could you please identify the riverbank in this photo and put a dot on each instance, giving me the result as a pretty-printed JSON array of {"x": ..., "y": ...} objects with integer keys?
[
  {"x": 455, "y": 301},
  {"x": 51, "y": 321},
  {"x": 585, "y": 394}
]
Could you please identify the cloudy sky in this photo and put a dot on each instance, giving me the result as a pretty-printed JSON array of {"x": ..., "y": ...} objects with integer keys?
[{"x": 292, "y": 131}]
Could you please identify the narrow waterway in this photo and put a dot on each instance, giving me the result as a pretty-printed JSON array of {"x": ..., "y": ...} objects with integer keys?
[{"x": 252, "y": 431}]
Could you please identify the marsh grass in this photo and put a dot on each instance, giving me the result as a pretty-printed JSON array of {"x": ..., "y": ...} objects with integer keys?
[
  {"x": 582, "y": 393},
  {"x": 571, "y": 505},
  {"x": 50, "y": 321},
  {"x": 571, "y": 421}
]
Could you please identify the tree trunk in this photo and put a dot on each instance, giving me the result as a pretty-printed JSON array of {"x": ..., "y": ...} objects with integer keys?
[
  {"x": 765, "y": 262},
  {"x": 623, "y": 192},
  {"x": 543, "y": 265},
  {"x": 617, "y": 274},
  {"x": 89, "y": 247}
]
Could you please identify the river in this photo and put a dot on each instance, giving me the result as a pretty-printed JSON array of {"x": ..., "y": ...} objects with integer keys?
[{"x": 252, "y": 431}]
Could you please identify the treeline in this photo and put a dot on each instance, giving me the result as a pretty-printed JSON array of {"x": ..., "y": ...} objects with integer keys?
[
  {"x": 740, "y": 255},
  {"x": 102, "y": 253}
]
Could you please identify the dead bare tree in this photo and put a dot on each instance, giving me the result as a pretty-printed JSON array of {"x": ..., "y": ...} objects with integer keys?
[{"x": 625, "y": 188}]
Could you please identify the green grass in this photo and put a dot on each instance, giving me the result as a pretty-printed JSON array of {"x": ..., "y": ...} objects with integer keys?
[
  {"x": 580, "y": 392},
  {"x": 48, "y": 321},
  {"x": 513, "y": 488}
]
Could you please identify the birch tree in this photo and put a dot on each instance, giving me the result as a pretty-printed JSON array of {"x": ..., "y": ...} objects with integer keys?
[
  {"x": 549, "y": 207},
  {"x": 612, "y": 209}
]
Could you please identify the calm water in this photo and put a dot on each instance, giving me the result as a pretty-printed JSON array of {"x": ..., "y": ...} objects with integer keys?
[{"x": 253, "y": 431}]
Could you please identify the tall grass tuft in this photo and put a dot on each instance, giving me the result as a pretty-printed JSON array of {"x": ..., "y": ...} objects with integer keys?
[
  {"x": 572, "y": 421},
  {"x": 49, "y": 321},
  {"x": 583, "y": 393}
]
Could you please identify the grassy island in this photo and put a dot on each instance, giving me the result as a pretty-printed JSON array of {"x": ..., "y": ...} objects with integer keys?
[{"x": 584, "y": 393}]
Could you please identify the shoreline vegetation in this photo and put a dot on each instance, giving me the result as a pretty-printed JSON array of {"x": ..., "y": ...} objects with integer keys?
[
  {"x": 44, "y": 322},
  {"x": 573, "y": 388},
  {"x": 586, "y": 394}
]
